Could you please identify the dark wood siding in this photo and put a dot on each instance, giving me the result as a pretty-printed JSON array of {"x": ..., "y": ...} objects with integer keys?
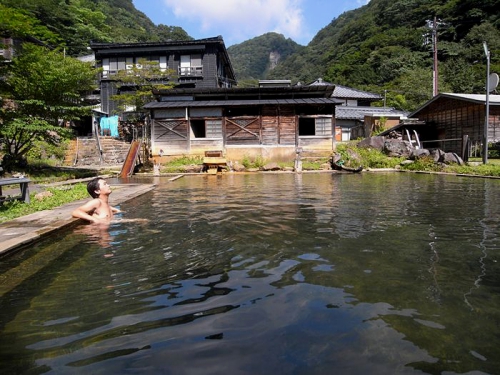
[{"x": 455, "y": 118}]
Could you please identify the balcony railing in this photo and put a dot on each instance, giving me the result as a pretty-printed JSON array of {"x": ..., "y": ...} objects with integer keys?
[{"x": 191, "y": 71}]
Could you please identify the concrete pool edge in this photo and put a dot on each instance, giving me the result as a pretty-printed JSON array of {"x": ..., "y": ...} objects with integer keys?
[{"x": 24, "y": 230}]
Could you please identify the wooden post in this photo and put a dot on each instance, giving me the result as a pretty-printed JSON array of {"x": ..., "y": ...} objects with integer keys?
[{"x": 465, "y": 148}]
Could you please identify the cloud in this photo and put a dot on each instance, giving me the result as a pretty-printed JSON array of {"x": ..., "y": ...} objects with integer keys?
[{"x": 242, "y": 19}]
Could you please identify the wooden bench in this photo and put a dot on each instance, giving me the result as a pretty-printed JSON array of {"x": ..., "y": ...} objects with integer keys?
[
  {"x": 213, "y": 161},
  {"x": 23, "y": 186}
]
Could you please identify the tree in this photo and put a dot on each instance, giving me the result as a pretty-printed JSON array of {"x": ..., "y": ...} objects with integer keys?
[
  {"x": 43, "y": 89},
  {"x": 15, "y": 23},
  {"x": 136, "y": 87},
  {"x": 166, "y": 33}
]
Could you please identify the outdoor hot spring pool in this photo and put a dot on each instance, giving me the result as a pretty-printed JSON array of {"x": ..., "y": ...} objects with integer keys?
[{"x": 313, "y": 273}]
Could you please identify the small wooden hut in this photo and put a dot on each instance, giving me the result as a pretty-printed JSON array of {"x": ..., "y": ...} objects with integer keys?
[{"x": 450, "y": 117}]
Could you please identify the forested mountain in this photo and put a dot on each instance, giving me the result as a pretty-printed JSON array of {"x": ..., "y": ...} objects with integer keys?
[
  {"x": 257, "y": 57},
  {"x": 74, "y": 23},
  {"x": 379, "y": 47}
]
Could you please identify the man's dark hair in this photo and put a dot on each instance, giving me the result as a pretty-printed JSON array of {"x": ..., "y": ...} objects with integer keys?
[{"x": 92, "y": 186}]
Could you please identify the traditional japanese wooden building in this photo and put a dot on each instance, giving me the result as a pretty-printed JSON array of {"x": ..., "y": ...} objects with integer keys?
[
  {"x": 197, "y": 63},
  {"x": 271, "y": 122},
  {"x": 450, "y": 117}
]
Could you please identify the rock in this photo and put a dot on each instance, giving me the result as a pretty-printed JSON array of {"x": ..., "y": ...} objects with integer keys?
[
  {"x": 43, "y": 195},
  {"x": 376, "y": 142},
  {"x": 419, "y": 153},
  {"x": 437, "y": 154},
  {"x": 406, "y": 162},
  {"x": 452, "y": 158},
  {"x": 326, "y": 166},
  {"x": 192, "y": 168},
  {"x": 271, "y": 167},
  {"x": 237, "y": 167},
  {"x": 397, "y": 148}
]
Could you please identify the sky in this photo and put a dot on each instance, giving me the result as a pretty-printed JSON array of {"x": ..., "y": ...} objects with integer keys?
[{"x": 241, "y": 20}]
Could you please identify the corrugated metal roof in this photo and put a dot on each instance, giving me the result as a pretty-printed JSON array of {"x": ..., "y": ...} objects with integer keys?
[
  {"x": 359, "y": 113},
  {"x": 479, "y": 98},
  {"x": 239, "y": 103},
  {"x": 494, "y": 100}
]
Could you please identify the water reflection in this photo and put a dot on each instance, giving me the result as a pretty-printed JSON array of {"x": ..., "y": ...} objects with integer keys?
[{"x": 282, "y": 273}]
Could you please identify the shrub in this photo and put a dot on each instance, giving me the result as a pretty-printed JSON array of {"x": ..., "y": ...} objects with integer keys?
[{"x": 369, "y": 157}]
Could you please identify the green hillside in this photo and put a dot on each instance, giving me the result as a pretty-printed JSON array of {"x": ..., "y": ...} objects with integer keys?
[
  {"x": 381, "y": 46},
  {"x": 257, "y": 57},
  {"x": 74, "y": 23}
]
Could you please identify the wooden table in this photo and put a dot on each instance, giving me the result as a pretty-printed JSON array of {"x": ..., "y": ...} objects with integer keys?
[{"x": 23, "y": 186}]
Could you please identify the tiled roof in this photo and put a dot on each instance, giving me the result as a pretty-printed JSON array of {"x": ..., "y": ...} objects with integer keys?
[
  {"x": 350, "y": 93},
  {"x": 359, "y": 113},
  {"x": 344, "y": 92}
]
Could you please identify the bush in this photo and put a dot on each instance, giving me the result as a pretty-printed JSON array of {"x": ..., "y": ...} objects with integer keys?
[
  {"x": 369, "y": 157},
  {"x": 257, "y": 162}
]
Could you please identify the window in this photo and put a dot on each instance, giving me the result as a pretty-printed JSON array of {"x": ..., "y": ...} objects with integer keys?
[
  {"x": 198, "y": 128},
  {"x": 190, "y": 65},
  {"x": 310, "y": 126},
  {"x": 306, "y": 126},
  {"x": 323, "y": 126},
  {"x": 214, "y": 128},
  {"x": 117, "y": 63},
  {"x": 206, "y": 128}
]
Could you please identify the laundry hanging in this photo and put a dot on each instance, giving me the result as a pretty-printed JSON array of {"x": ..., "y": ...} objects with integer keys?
[{"x": 109, "y": 126}]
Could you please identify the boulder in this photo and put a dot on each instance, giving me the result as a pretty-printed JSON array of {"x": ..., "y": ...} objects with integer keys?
[
  {"x": 437, "y": 154},
  {"x": 376, "y": 142},
  {"x": 419, "y": 153},
  {"x": 397, "y": 148},
  {"x": 452, "y": 158}
]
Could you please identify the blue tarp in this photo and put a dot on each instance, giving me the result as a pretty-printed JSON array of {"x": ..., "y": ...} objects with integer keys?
[{"x": 109, "y": 126}]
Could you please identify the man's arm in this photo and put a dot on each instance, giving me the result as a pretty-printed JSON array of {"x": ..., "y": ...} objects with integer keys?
[{"x": 83, "y": 212}]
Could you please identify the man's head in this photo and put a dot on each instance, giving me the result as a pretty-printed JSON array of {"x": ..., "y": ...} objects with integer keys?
[{"x": 95, "y": 186}]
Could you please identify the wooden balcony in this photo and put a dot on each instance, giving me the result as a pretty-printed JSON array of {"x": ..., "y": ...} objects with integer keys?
[{"x": 191, "y": 71}]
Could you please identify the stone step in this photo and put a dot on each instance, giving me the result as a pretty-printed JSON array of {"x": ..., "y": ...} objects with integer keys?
[{"x": 113, "y": 151}]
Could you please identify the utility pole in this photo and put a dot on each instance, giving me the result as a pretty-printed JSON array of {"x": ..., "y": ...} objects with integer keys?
[
  {"x": 487, "y": 117},
  {"x": 435, "y": 56},
  {"x": 433, "y": 25}
]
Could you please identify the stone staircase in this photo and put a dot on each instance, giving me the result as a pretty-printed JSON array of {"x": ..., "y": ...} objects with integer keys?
[{"x": 84, "y": 151}]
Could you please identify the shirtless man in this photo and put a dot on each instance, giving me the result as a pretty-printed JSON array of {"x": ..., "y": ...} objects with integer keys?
[{"x": 98, "y": 209}]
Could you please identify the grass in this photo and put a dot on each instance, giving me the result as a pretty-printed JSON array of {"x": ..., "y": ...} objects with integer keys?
[
  {"x": 60, "y": 195},
  {"x": 175, "y": 165}
]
